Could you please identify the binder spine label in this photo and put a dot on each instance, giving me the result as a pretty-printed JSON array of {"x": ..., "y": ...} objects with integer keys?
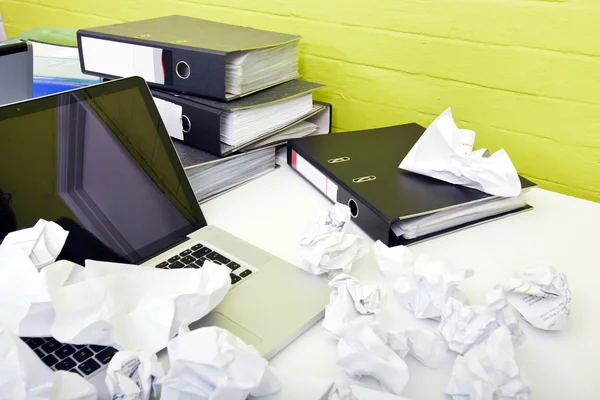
[
  {"x": 314, "y": 176},
  {"x": 122, "y": 59}
]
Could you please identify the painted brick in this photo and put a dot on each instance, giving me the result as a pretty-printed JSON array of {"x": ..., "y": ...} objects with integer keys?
[{"x": 524, "y": 74}]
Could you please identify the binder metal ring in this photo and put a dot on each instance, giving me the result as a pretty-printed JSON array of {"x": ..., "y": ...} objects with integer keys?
[
  {"x": 353, "y": 208},
  {"x": 338, "y": 160},
  {"x": 186, "y": 124},
  {"x": 363, "y": 179},
  {"x": 182, "y": 69}
]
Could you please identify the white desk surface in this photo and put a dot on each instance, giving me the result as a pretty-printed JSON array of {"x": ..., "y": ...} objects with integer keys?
[{"x": 273, "y": 211}]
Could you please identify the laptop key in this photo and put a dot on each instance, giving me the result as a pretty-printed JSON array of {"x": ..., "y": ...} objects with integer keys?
[
  {"x": 97, "y": 348},
  {"x": 106, "y": 355},
  {"x": 174, "y": 258},
  {"x": 89, "y": 367},
  {"x": 39, "y": 353},
  {"x": 187, "y": 260},
  {"x": 66, "y": 364},
  {"x": 202, "y": 252},
  {"x": 176, "y": 265},
  {"x": 49, "y": 360},
  {"x": 51, "y": 345},
  {"x": 35, "y": 342},
  {"x": 197, "y": 247},
  {"x": 245, "y": 273},
  {"x": 83, "y": 354},
  {"x": 65, "y": 351},
  {"x": 164, "y": 264},
  {"x": 214, "y": 256},
  {"x": 185, "y": 252},
  {"x": 234, "y": 278},
  {"x": 233, "y": 266}
]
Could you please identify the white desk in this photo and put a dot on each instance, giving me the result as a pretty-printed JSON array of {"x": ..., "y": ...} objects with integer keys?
[{"x": 273, "y": 211}]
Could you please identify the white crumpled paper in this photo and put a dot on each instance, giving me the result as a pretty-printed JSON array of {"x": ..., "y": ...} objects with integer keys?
[
  {"x": 131, "y": 307},
  {"x": 542, "y": 297},
  {"x": 425, "y": 346},
  {"x": 355, "y": 392},
  {"x": 42, "y": 243},
  {"x": 464, "y": 326},
  {"x": 421, "y": 282},
  {"x": 362, "y": 352},
  {"x": 350, "y": 303},
  {"x": 489, "y": 371},
  {"x": 25, "y": 306},
  {"x": 445, "y": 152},
  {"x": 212, "y": 363},
  {"x": 134, "y": 376},
  {"x": 23, "y": 376},
  {"x": 328, "y": 246}
]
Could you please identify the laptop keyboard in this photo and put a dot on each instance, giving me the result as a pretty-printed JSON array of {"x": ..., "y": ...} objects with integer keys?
[
  {"x": 195, "y": 256},
  {"x": 87, "y": 360},
  {"x": 84, "y": 360}
]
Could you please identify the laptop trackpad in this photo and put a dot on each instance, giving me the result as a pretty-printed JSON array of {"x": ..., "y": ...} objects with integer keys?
[{"x": 218, "y": 319}]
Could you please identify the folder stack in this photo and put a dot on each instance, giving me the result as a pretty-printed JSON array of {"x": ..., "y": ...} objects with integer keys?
[
  {"x": 398, "y": 207},
  {"x": 227, "y": 94}
]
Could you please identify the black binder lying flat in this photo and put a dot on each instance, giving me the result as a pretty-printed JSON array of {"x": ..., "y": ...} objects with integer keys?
[
  {"x": 202, "y": 117},
  {"x": 361, "y": 169},
  {"x": 189, "y": 55}
]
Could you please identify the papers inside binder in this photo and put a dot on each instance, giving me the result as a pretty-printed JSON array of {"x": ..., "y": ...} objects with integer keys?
[
  {"x": 242, "y": 126},
  {"x": 415, "y": 227},
  {"x": 250, "y": 70},
  {"x": 211, "y": 175},
  {"x": 301, "y": 129}
]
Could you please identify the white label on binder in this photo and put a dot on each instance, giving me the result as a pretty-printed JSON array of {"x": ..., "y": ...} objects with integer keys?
[
  {"x": 122, "y": 59},
  {"x": 170, "y": 113},
  {"x": 314, "y": 176}
]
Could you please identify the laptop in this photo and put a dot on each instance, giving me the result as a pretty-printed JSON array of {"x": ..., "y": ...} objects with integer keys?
[
  {"x": 16, "y": 72},
  {"x": 99, "y": 162}
]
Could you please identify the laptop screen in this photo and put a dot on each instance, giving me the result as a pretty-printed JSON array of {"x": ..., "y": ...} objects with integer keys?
[{"x": 99, "y": 162}]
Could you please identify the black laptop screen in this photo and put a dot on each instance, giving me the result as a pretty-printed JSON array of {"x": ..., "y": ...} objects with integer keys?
[{"x": 99, "y": 162}]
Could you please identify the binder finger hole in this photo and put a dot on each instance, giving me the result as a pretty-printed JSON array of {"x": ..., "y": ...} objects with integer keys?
[
  {"x": 186, "y": 124},
  {"x": 182, "y": 69},
  {"x": 353, "y": 208}
]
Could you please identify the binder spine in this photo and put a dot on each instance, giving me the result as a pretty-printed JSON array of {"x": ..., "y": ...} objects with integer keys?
[
  {"x": 184, "y": 70},
  {"x": 363, "y": 216},
  {"x": 313, "y": 175}
]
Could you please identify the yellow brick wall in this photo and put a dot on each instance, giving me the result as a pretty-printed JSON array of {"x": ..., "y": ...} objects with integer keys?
[{"x": 524, "y": 74}]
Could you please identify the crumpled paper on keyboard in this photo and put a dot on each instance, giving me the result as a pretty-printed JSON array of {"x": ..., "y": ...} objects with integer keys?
[
  {"x": 445, "y": 152},
  {"x": 42, "y": 243},
  {"x": 25, "y": 305},
  {"x": 133, "y": 375},
  {"x": 350, "y": 303},
  {"x": 134, "y": 308},
  {"x": 542, "y": 297},
  {"x": 489, "y": 371},
  {"x": 362, "y": 352},
  {"x": 464, "y": 326},
  {"x": 23, "y": 376},
  {"x": 328, "y": 245},
  {"x": 212, "y": 363},
  {"x": 421, "y": 282}
]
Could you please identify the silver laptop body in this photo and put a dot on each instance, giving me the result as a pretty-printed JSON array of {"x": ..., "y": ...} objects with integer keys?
[{"x": 267, "y": 307}]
